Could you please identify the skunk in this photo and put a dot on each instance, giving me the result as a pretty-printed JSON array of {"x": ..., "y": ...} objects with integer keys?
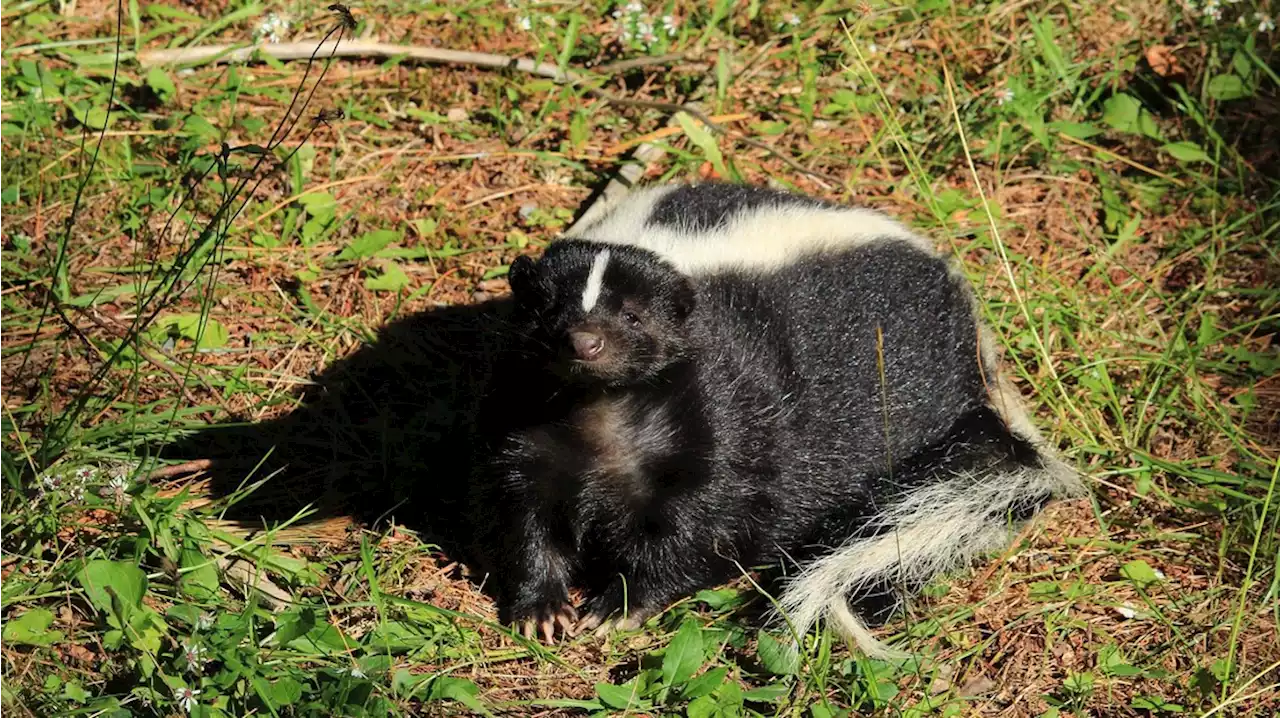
[{"x": 722, "y": 377}]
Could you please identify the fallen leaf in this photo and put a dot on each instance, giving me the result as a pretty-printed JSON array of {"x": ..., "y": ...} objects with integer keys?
[{"x": 1163, "y": 62}]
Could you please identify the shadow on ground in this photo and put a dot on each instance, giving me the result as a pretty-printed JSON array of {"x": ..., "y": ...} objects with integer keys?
[{"x": 392, "y": 430}]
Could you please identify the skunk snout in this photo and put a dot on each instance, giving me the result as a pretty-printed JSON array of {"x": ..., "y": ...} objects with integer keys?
[{"x": 587, "y": 345}]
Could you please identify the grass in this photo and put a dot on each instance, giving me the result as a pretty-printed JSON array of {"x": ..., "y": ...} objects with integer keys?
[{"x": 1105, "y": 173}]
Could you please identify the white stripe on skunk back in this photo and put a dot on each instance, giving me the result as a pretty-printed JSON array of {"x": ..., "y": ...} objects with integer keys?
[{"x": 759, "y": 238}]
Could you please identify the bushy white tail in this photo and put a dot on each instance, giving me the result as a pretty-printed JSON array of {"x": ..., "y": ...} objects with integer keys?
[{"x": 932, "y": 530}]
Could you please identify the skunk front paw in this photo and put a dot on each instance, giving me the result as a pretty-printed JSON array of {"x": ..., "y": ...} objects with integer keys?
[
  {"x": 602, "y": 615},
  {"x": 545, "y": 619}
]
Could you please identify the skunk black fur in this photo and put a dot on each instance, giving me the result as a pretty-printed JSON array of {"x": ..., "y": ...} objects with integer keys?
[{"x": 724, "y": 377}]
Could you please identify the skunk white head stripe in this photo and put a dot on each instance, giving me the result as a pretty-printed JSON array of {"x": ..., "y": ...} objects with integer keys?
[{"x": 591, "y": 294}]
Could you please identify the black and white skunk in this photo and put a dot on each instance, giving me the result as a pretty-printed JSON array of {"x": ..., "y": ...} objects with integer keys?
[{"x": 725, "y": 377}]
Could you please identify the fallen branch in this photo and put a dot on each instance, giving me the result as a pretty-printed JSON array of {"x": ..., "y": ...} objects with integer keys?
[
  {"x": 219, "y": 54},
  {"x": 432, "y": 55}
]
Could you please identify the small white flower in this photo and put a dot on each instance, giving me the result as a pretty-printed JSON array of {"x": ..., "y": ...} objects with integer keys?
[
  {"x": 51, "y": 482},
  {"x": 272, "y": 28},
  {"x": 669, "y": 24},
  {"x": 186, "y": 698},
  {"x": 353, "y": 671},
  {"x": 1213, "y": 9},
  {"x": 525, "y": 23},
  {"x": 1004, "y": 95},
  {"x": 1265, "y": 23},
  {"x": 204, "y": 621},
  {"x": 193, "y": 654},
  {"x": 1126, "y": 610},
  {"x": 873, "y": 49},
  {"x": 792, "y": 19},
  {"x": 85, "y": 474}
]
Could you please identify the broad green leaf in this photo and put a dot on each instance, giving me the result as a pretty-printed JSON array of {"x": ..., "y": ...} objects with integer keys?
[
  {"x": 770, "y": 127},
  {"x": 202, "y": 583},
  {"x": 198, "y": 126},
  {"x": 395, "y": 637},
  {"x": 683, "y": 656},
  {"x": 1078, "y": 130},
  {"x": 718, "y": 598},
  {"x": 767, "y": 694},
  {"x": 95, "y": 118},
  {"x": 293, "y": 625},
  {"x": 285, "y": 691},
  {"x": 702, "y": 138},
  {"x": 368, "y": 244},
  {"x": 623, "y": 696},
  {"x": 1121, "y": 112},
  {"x": 127, "y": 581},
  {"x": 1155, "y": 704},
  {"x": 1187, "y": 152},
  {"x": 187, "y": 326},
  {"x": 319, "y": 204},
  {"x": 1227, "y": 87},
  {"x": 31, "y": 629},
  {"x": 1079, "y": 683},
  {"x": 392, "y": 279},
  {"x": 730, "y": 697},
  {"x": 1126, "y": 114},
  {"x": 1112, "y": 662},
  {"x": 1140, "y": 572},
  {"x": 778, "y": 658},
  {"x": 457, "y": 689},
  {"x": 702, "y": 707},
  {"x": 704, "y": 684},
  {"x": 160, "y": 83}
]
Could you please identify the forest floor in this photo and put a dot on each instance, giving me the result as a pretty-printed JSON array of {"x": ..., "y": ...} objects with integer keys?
[{"x": 1106, "y": 172}]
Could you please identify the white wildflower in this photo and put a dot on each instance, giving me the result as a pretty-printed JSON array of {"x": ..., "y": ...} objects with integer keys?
[
  {"x": 1265, "y": 23},
  {"x": 51, "y": 483},
  {"x": 193, "y": 654},
  {"x": 85, "y": 474},
  {"x": 204, "y": 621},
  {"x": 354, "y": 671},
  {"x": 186, "y": 698},
  {"x": 525, "y": 23},
  {"x": 669, "y": 24},
  {"x": 873, "y": 49},
  {"x": 792, "y": 19},
  {"x": 1126, "y": 610},
  {"x": 272, "y": 28},
  {"x": 1213, "y": 9},
  {"x": 1004, "y": 95}
]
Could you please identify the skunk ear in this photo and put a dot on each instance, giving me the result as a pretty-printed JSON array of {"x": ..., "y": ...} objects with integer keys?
[
  {"x": 526, "y": 285},
  {"x": 684, "y": 298}
]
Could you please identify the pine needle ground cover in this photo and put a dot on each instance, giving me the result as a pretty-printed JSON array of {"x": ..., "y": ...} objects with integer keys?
[{"x": 283, "y": 261}]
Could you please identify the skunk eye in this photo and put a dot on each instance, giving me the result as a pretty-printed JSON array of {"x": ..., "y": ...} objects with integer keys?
[{"x": 631, "y": 319}]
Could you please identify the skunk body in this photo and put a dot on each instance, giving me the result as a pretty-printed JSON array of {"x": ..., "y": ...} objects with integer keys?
[{"x": 731, "y": 377}]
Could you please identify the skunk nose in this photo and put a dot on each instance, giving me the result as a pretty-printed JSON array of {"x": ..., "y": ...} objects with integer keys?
[{"x": 587, "y": 345}]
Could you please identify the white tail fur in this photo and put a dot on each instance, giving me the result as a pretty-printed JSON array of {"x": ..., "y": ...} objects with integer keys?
[{"x": 933, "y": 530}]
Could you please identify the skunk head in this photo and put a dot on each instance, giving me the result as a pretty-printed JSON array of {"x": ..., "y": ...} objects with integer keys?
[{"x": 611, "y": 313}]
